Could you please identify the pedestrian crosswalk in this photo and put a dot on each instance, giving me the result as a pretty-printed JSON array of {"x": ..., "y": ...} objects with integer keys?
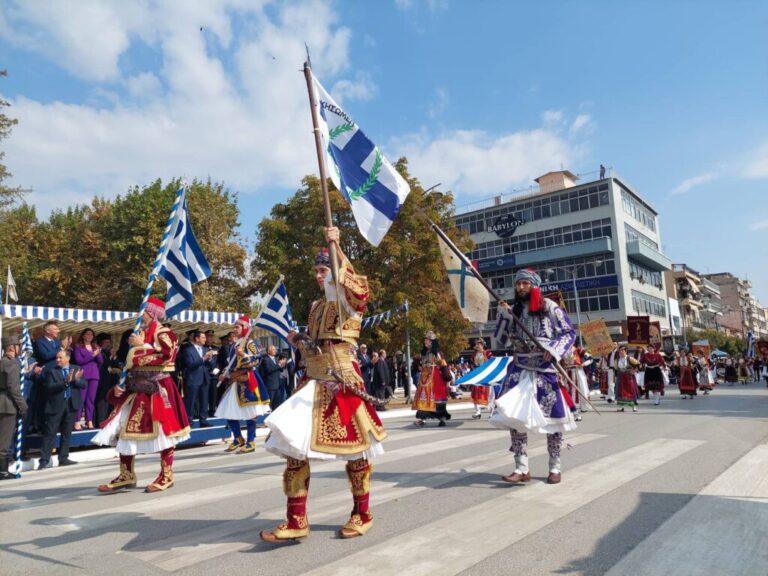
[{"x": 439, "y": 506}]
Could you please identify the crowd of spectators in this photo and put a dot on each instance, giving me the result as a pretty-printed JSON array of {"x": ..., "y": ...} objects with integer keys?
[{"x": 66, "y": 387}]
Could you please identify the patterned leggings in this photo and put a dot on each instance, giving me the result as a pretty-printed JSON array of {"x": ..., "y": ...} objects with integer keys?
[{"x": 519, "y": 446}]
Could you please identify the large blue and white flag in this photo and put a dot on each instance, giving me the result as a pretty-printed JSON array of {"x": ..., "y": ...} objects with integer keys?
[
  {"x": 489, "y": 373},
  {"x": 184, "y": 266},
  {"x": 276, "y": 316},
  {"x": 372, "y": 186}
]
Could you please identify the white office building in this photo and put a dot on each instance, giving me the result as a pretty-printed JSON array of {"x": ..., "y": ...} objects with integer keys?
[{"x": 598, "y": 238}]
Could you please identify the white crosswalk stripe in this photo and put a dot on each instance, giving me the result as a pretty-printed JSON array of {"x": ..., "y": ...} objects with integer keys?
[
  {"x": 461, "y": 533},
  {"x": 725, "y": 526},
  {"x": 463, "y": 538}
]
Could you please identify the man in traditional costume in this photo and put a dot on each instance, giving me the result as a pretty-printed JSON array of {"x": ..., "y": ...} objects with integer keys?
[
  {"x": 481, "y": 395},
  {"x": 327, "y": 419},
  {"x": 148, "y": 415},
  {"x": 246, "y": 397},
  {"x": 531, "y": 399}
]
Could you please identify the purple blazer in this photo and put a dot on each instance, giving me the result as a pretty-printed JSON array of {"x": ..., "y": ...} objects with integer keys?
[{"x": 84, "y": 358}]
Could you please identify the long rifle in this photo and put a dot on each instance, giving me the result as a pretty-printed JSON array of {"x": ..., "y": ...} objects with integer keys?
[{"x": 459, "y": 254}]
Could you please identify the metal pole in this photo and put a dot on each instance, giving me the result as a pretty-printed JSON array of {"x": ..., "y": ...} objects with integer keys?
[
  {"x": 578, "y": 308},
  {"x": 408, "y": 376}
]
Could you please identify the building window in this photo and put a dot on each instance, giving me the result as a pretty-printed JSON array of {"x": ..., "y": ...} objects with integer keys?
[
  {"x": 548, "y": 239},
  {"x": 645, "y": 275},
  {"x": 647, "y": 305},
  {"x": 637, "y": 210},
  {"x": 632, "y": 234},
  {"x": 574, "y": 200}
]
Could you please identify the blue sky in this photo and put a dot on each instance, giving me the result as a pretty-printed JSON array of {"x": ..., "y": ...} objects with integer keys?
[{"x": 481, "y": 96}]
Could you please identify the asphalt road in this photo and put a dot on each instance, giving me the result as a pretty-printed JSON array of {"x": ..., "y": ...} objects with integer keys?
[{"x": 680, "y": 488}]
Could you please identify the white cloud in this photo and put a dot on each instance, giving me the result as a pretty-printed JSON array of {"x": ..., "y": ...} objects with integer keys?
[
  {"x": 581, "y": 124},
  {"x": 689, "y": 183},
  {"x": 762, "y": 225},
  {"x": 432, "y": 5},
  {"x": 245, "y": 121},
  {"x": 473, "y": 162},
  {"x": 361, "y": 89},
  {"x": 757, "y": 168},
  {"x": 552, "y": 118},
  {"x": 438, "y": 104}
]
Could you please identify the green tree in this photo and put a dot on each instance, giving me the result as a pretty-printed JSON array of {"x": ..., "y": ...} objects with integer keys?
[
  {"x": 406, "y": 265},
  {"x": 8, "y": 194},
  {"x": 99, "y": 256},
  {"x": 734, "y": 345}
]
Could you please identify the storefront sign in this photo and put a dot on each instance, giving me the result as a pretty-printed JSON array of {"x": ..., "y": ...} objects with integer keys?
[
  {"x": 505, "y": 226},
  {"x": 498, "y": 263},
  {"x": 581, "y": 284}
]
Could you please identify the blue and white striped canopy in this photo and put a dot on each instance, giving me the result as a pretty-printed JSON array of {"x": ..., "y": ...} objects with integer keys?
[
  {"x": 489, "y": 373},
  {"x": 73, "y": 320}
]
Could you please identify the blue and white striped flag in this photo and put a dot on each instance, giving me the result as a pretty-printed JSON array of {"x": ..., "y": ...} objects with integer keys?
[
  {"x": 276, "y": 316},
  {"x": 372, "y": 186},
  {"x": 750, "y": 345},
  {"x": 184, "y": 266}
]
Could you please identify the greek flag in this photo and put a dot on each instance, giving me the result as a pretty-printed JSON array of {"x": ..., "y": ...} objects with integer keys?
[
  {"x": 184, "y": 266},
  {"x": 26, "y": 341},
  {"x": 371, "y": 185},
  {"x": 276, "y": 316},
  {"x": 489, "y": 373},
  {"x": 750, "y": 345}
]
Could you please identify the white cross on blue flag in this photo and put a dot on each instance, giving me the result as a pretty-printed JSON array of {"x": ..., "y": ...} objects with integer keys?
[
  {"x": 276, "y": 316},
  {"x": 372, "y": 186},
  {"x": 184, "y": 266}
]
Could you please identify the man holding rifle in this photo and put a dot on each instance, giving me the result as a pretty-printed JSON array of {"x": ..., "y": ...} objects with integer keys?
[{"x": 531, "y": 399}]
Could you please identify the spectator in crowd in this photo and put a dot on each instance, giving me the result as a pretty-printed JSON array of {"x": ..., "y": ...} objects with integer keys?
[
  {"x": 365, "y": 366},
  {"x": 402, "y": 376},
  {"x": 62, "y": 402},
  {"x": 44, "y": 350},
  {"x": 12, "y": 403},
  {"x": 209, "y": 399},
  {"x": 87, "y": 355},
  {"x": 222, "y": 359},
  {"x": 101, "y": 407},
  {"x": 380, "y": 377},
  {"x": 196, "y": 378},
  {"x": 270, "y": 372},
  {"x": 285, "y": 390}
]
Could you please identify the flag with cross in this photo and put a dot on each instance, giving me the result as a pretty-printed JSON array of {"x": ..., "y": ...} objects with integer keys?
[{"x": 471, "y": 295}]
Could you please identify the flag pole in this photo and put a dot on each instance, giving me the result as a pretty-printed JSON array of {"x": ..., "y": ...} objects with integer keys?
[
  {"x": 334, "y": 246},
  {"x": 162, "y": 255},
  {"x": 462, "y": 257},
  {"x": 321, "y": 164},
  {"x": 20, "y": 421}
]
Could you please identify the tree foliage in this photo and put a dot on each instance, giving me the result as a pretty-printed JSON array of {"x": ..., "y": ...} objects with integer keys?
[
  {"x": 8, "y": 194},
  {"x": 405, "y": 266},
  {"x": 734, "y": 345},
  {"x": 99, "y": 256}
]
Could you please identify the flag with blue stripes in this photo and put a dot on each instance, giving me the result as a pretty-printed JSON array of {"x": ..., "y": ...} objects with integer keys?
[
  {"x": 184, "y": 266},
  {"x": 489, "y": 373},
  {"x": 26, "y": 341},
  {"x": 372, "y": 186},
  {"x": 750, "y": 345},
  {"x": 276, "y": 316}
]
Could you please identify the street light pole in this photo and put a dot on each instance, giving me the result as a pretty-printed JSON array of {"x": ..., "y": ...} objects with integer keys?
[{"x": 578, "y": 307}]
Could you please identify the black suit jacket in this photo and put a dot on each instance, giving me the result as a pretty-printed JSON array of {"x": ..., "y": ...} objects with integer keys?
[
  {"x": 195, "y": 370},
  {"x": 270, "y": 371},
  {"x": 380, "y": 375},
  {"x": 54, "y": 384}
]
